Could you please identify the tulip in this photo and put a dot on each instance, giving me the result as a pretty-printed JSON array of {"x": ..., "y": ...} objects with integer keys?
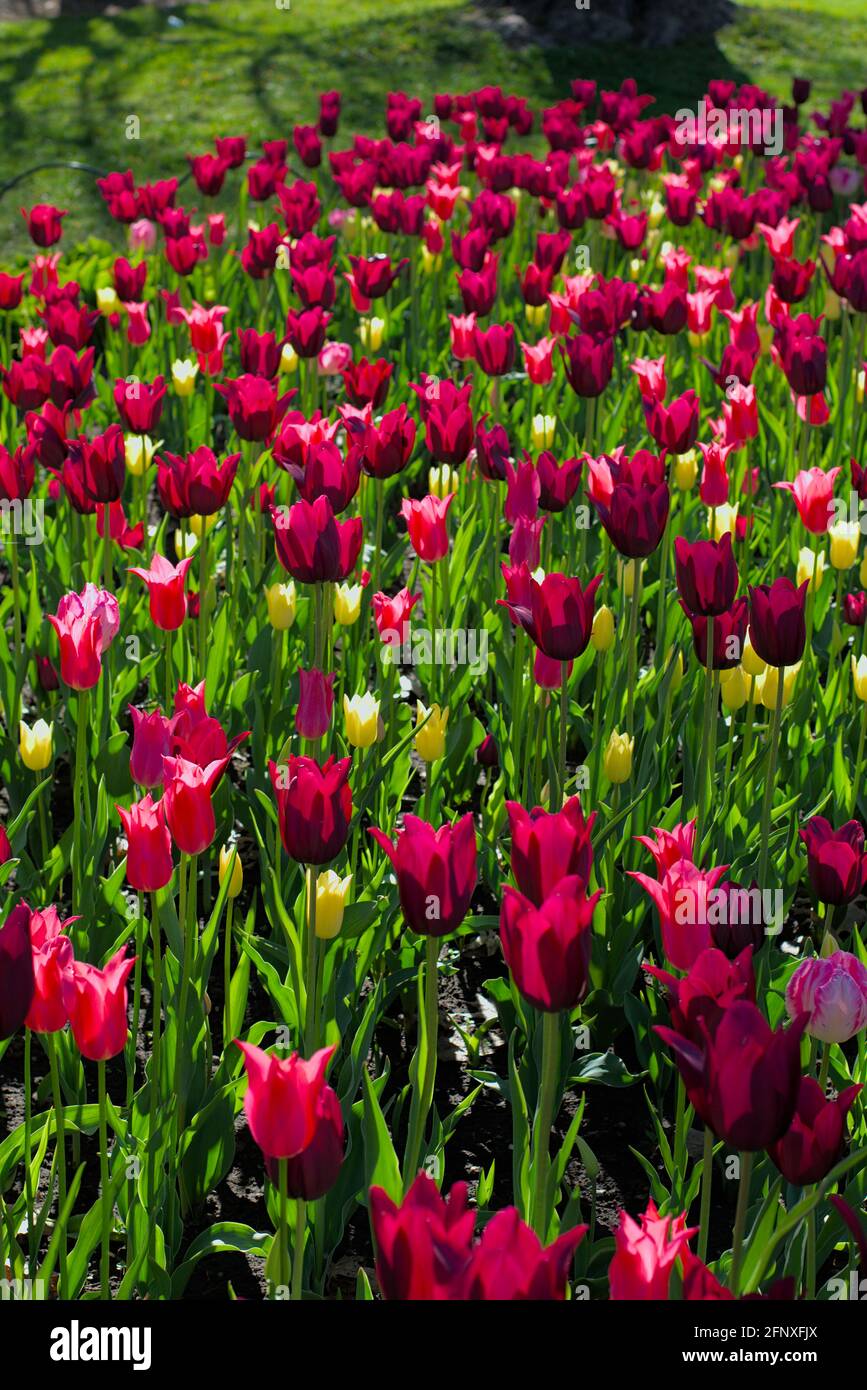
[
  {"x": 230, "y": 867},
  {"x": 140, "y": 404},
  {"x": 675, "y": 427},
  {"x": 36, "y": 745},
  {"x": 312, "y": 545},
  {"x": 254, "y": 406},
  {"x": 195, "y": 485},
  {"x": 44, "y": 223},
  {"x": 547, "y": 948},
  {"x": 589, "y": 363},
  {"x": 187, "y": 800},
  {"x": 617, "y": 759},
  {"x": 442, "y": 480},
  {"x": 836, "y": 860},
  {"x": 430, "y": 737},
  {"x": 707, "y": 576},
  {"x": 426, "y": 523},
  {"x": 149, "y": 849},
  {"x": 52, "y": 965},
  {"x": 813, "y": 492},
  {"x": 854, "y": 609},
  {"x": 282, "y": 1098},
  {"x": 559, "y": 614},
  {"x": 510, "y": 1262},
  {"x": 347, "y": 604},
  {"x": 859, "y": 676},
  {"x": 17, "y": 982},
  {"x": 184, "y": 373},
  {"x": 423, "y": 1246},
  {"x": 669, "y": 846},
  {"x": 813, "y": 1143},
  {"x": 845, "y": 539},
  {"x": 315, "y": 704},
  {"x": 832, "y": 992},
  {"x": 685, "y": 471},
  {"x": 151, "y": 741},
  {"x": 86, "y": 624},
  {"x": 314, "y": 807},
  {"x": 549, "y": 846},
  {"x": 713, "y": 984},
  {"x": 602, "y": 632},
  {"x": 167, "y": 600},
  {"x": 361, "y": 714},
  {"x": 645, "y": 1254},
  {"x": 138, "y": 452},
  {"x": 743, "y": 1078},
  {"x": 331, "y": 894},
  {"x": 96, "y": 1002},
  {"x": 282, "y": 605},
  {"x": 101, "y": 463},
  {"x": 777, "y": 630},
  {"x": 436, "y": 872},
  {"x": 681, "y": 900}
]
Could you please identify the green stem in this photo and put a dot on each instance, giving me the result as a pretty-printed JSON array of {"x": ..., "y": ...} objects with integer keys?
[
  {"x": 740, "y": 1221},
  {"x": 155, "y": 1080},
  {"x": 544, "y": 1121},
  {"x": 564, "y": 716},
  {"x": 104, "y": 1185},
  {"x": 28, "y": 1143},
  {"x": 60, "y": 1145},
  {"x": 426, "y": 1083},
  {"x": 706, "y": 1186},
  {"x": 227, "y": 976},
  {"x": 298, "y": 1249},
  {"x": 311, "y": 1014},
  {"x": 767, "y": 800}
]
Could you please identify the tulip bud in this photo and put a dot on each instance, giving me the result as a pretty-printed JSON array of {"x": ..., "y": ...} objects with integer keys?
[
  {"x": 636, "y": 265},
  {"x": 656, "y": 213},
  {"x": 626, "y": 576},
  {"x": 750, "y": 660},
  {"x": 370, "y": 331},
  {"x": 139, "y": 450},
  {"x": 442, "y": 481},
  {"x": 768, "y": 684},
  {"x": 723, "y": 518},
  {"x": 809, "y": 569},
  {"x": 602, "y": 632},
  {"x": 36, "y": 745},
  {"x": 859, "y": 388},
  {"x": 107, "y": 301},
  {"x": 733, "y": 690},
  {"x": 186, "y": 543},
  {"x": 685, "y": 470},
  {"x": 199, "y": 524},
  {"x": 430, "y": 741},
  {"x": 347, "y": 604},
  {"x": 544, "y": 429},
  {"x": 282, "y": 605},
  {"x": 535, "y": 314},
  {"x": 229, "y": 856},
  {"x": 859, "y": 676},
  {"x": 844, "y": 544},
  {"x": 288, "y": 360},
  {"x": 184, "y": 373},
  {"x": 331, "y": 892},
  {"x": 362, "y": 720},
  {"x": 618, "y": 758}
]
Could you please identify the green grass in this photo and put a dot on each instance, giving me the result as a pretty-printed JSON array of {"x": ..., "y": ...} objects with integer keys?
[{"x": 68, "y": 86}]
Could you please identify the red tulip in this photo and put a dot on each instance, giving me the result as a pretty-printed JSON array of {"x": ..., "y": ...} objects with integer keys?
[
  {"x": 813, "y": 491},
  {"x": 151, "y": 741},
  {"x": 305, "y": 330},
  {"x": 645, "y": 1254},
  {"x": 548, "y": 846},
  {"x": 494, "y": 349},
  {"x": 166, "y": 596},
  {"x": 436, "y": 872},
  {"x": 314, "y": 807},
  {"x": 375, "y": 275},
  {"x": 447, "y": 417},
  {"x": 195, "y": 485},
  {"x": 314, "y": 1171},
  {"x": 387, "y": 446},
  {"x": 426, "y": 523},
  {"x": 636, "y": 511},
  {"x": 149, "y": 850},
  {"x": 312, "y": 545},
  {"x": 547, "y": 948},
  {"x": 326, "y": 473},
  {"x": 392, "y": 616},
  {"x": 187, "y": 802},
  {"x": 681, "y": 899},
  {"x": 283, "y": 1097},
  {"x": 11, "y": 291},
  {"x": 668, "y": 846},
  {"x": 712, "y": 984},
  {"x": 812, "y": 1144},
  {"x": 52, "y": 965},
  {"x": 510, "y": 1263},
  {"x": 209, "y": 172},
  {"x": 366, "y": 383},
  {"x": 86, "y": 624},
  {"x": 836, "y": 860},
  {"x": 315, "y": 704},
  {"x": 589, "y": 362},
  {"x": 44, "y": 223},
  {"x": 423, "y": 1246},
  {"x": 674, "y": 427},
  {"x": 17, "y": 984},
  {"x": 254, "y": 406},
  {"x": 96, "y": 1001}
]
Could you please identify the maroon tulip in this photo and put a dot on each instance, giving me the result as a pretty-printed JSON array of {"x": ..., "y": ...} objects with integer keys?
[
  {"x": 315, "y": 703},
  {"x": 27, "y": 381},
  {"x": 707, "y": 575},
  {"x": 436, "y": 872},
  {"x": 743, "y": 1078},
  {"x": 312, "y": 545},
  {"x": 854, "y": 609},
  {"x": 305, "y": 330},
  {"x": 558, "y": 613},
  {"x": 260, "y": 353},
  {"x": 314, "y": 807},
  {"x": 778, "y": 629},
  {"x": 447, "y": 418},
  {"x": 636, "y": 511},
  {"x": 547, "y": 948},
  {"x": 308, "y": 146},
  {"x": 17, "y": 473},
  {"x": 589, "y": 362},
  {"x": 366, "y": 383},
  {"x": 836, "y": 861},
  {"x": 558, "y": 482},
  {"x": 326, "y": 473},
  {"x": 72, "y": 378},
  {"x": 11, "y": 291},
  {"x": 101, "y": 464},
  {"x": 375, "y": 275},
  {"x": 44, "y": 223},
  {"x": 729, "y": 635},
  {"x": 813, "y": 1143},
  {"x": 803, "y": 355},
  {"x": 16, "y": 970},
  {"x": 494, "y": 349},
  {"x": 209, "y": 172},
  {"x": 548, "y": 846}
]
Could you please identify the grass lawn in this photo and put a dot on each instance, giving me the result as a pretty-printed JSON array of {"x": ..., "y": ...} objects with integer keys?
[{"x": 67, "y": 86}]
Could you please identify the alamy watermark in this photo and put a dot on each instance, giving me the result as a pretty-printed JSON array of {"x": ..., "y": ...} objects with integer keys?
[
  {"x": 751, "y": 126},
  {"x": 445, "y": 647},
  {"x": 23, "y": 519}
]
